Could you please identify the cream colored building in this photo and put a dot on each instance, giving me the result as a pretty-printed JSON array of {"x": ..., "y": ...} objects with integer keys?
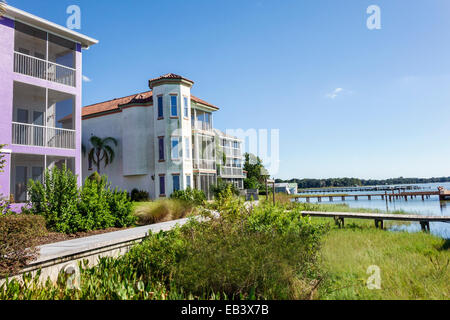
[{"x": 166, "y": 140}]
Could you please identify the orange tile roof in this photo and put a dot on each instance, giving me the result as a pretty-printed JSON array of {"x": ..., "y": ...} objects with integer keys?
[
  {"x": 115, "y": 104},
  {"x": 170, "y": 76}
]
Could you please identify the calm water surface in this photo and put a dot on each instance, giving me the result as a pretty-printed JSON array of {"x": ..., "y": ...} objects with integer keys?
[{"x": 430, "y": 207}]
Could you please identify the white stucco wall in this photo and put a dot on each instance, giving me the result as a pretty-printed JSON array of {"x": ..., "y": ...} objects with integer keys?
[{"x": 112, "y": 126}]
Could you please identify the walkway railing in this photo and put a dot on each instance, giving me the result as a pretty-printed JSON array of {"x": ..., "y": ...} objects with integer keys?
[
  {"x": 43, "y": 69},
  {"x": 40, "y": 136}
]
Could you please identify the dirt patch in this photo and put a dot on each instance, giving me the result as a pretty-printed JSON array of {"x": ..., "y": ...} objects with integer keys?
[{"x": 53, "y": 237}]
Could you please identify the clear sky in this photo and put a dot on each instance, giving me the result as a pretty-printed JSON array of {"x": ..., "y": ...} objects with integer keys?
[{"x": 348, "y": 101}]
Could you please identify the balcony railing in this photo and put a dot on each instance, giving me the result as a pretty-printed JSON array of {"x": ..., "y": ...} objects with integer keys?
[
  {"x": 203, "y": 164},
  {"x": 40, "y": 136},
  {"x": 230, "y": 171},
  {"x": 201, "y": 125},
  {"x": 43, "y": 69},
  {"x": 232, "y": 152}
]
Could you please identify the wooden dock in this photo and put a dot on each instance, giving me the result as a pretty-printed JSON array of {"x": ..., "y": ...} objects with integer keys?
[
  {"x": 442, "y": 193},
  {"x": 379, "y": 218}
]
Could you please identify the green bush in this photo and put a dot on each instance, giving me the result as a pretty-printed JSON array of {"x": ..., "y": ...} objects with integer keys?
[
  {"x": 193, "y": 196},
  {"x": 18, "y": 233},
  {"x": 262, "y": 253},
  {"x": 139, "y": 195},
  {"x": 121, "y": 207},
  {"x": 222, "y": 186},
  {"x": 93, "y": 207},
  {"x": 56, "y": 200},
  {"x": 69, "y": 209}
]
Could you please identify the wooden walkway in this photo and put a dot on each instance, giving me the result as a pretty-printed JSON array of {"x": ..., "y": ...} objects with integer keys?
[
  {"x": 443, "y": 195},
  {"x": 379, "y": 218}
]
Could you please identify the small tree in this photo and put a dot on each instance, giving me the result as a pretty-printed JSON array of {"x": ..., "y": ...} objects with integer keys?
[{"x": 101, "y": 151}]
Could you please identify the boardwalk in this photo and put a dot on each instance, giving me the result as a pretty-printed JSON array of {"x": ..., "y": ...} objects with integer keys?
[
  {"x": 379, "y": 218},
  {"x": 442, "y": 193}
]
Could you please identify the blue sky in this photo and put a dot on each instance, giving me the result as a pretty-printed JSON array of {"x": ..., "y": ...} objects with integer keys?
[{"x": 348, "y": 101}]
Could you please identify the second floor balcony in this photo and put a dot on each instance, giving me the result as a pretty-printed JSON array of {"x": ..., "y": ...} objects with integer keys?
[
  {"x": 40, "y": 136},
  {"x": 43, "y": 117},
  {"x": 204, "y": 164},
  {"x": 231, "y": 172},
  {"x": 42, "y": 69}
]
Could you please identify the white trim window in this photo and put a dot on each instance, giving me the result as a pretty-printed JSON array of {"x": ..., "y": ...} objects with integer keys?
[
  {"x": 174, "y": 106},
  {"x": 186, "y": 107},
  {"x": 187, "y": 148},
  {"x": 176, "y": 150}
]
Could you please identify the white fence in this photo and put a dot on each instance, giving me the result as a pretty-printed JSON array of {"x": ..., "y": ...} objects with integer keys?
[
  {"x": 40, "y": 136},
  {"x": 230, "y": 171},
  {"x": 201, "y": 125},
  {"x": 43, "y": 69},
  {"x": 203, "y": 164}
]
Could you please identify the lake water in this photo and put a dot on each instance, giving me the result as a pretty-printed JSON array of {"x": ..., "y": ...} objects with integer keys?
[{"x": 430, "y": 207}]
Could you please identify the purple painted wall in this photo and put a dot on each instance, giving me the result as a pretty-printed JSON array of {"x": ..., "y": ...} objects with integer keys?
[
  {"x": 6, "y": 95},
  {"x": 7, "y": 78}
]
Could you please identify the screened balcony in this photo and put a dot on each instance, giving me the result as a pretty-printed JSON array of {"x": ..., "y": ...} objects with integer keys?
[
  {"x": 26, "y": 167},
  {"x": 41, "y": 117},
  {"x": 43, "y": 55},
  {"x": 201, "y": 120},
  {"x": 204, "y": 152}
]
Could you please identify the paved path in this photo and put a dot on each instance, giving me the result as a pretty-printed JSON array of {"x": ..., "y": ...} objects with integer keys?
[
  {"x": 71, "y": 247},
  {"x": 76, "y": 246}
]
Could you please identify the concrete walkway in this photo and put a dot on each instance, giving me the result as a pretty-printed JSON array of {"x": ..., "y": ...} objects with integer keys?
[{"x": 77, "y": 246}]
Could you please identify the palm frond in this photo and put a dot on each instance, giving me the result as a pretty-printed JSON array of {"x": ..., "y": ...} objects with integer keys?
[
  {"x": 110, "y": 139},
  {"x": 91, "y": 156},
  {"x": 96, "y": 141},
  {"x": 110, "y": 152}
]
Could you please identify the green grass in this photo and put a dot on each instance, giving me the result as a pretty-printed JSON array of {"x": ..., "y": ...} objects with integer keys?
[{"x": 413, "y": 265}]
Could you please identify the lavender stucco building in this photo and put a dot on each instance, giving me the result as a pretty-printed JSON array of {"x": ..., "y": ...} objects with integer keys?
[{"x": 40, "y": 83}]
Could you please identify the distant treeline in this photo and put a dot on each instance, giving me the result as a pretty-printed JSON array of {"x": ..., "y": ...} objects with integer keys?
[{"x": 352, "y": 182}]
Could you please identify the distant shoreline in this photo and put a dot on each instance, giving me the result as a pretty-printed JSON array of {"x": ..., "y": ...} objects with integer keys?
[{"x": 356, "y": 183}]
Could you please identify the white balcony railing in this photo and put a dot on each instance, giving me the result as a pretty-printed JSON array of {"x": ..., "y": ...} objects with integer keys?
[
  {"x": 232, "y": 152},
  {"x": 201, "y": 125},
  {"x": 43, "y": 69},
  {"x": 204, "y": 164},
  {"x": 40, "y": 136},
  {"x": 231, "y": 171}
]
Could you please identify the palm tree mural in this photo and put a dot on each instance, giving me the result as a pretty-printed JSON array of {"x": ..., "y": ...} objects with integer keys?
[{"x": 101, "y": 151}]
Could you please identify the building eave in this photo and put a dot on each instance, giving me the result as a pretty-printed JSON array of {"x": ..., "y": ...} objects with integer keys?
[{"x": 28, "y": 18}]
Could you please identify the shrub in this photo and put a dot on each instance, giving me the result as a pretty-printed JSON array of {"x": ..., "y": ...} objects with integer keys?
[
  {"x": 17, "y": 239},
  {"x": 262, "y": 253},
  {"x": 69, "y": 209},
  {"x": 57, "y": 200},
  {"x": 121, "y": 207},
  {"x": 93, "y": 209},
  {"x": 139, "y": 195},
  {"x": 221, "y": 186},
  {"x": 5, "y": 206},
  {"x": 192, "y": 196}
]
